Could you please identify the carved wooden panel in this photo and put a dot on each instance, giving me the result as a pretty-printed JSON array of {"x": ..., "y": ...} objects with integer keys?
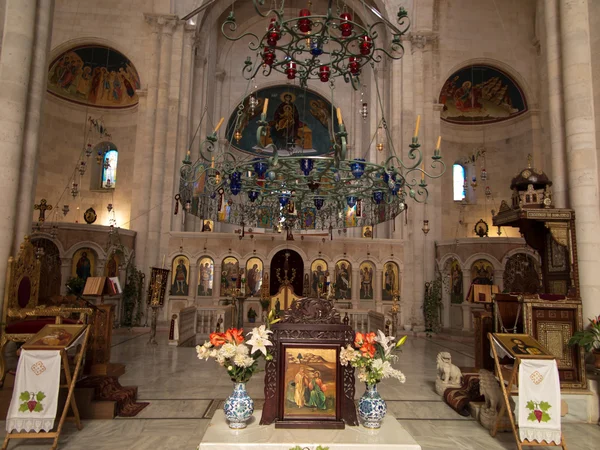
[
  {"x": 309, "y": 323},
  {"x": 553, "y": 324}
]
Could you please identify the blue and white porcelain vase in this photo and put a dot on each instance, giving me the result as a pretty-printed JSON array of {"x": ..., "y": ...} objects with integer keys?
[
  {"x": 371, "y": 407},
  {"x": 238, "y": 407}
]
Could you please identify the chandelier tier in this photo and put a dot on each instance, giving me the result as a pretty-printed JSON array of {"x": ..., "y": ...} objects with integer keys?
[
  {"x": 282, "y": 186},
  {"x": 318, "y": 46}
]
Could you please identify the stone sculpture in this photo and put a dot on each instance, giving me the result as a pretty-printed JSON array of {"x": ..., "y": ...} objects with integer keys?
[
  {"x": 448, "y": 375},
  {"x": 490, "y": 389}
]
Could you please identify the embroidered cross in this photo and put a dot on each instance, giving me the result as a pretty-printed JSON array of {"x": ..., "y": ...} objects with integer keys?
[
  {"x": 536, "y": 377},
  {"x": 38, "y": 368}
]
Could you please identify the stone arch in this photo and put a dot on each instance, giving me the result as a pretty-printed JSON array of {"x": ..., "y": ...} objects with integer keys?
[{"x": 100, "y": 253}]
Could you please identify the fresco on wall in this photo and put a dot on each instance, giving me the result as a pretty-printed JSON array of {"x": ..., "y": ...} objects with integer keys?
[
  {"x": 180, "y": 275},
  {"x": 206, "y": 275},
  {"x": 482, "y": 272},
  {"x": 84, "y": 264},
  {"x": 366, "y": 273},
  {"x": 390, "y": 281},
  {"x": 254, "y": 271},
  {"x": 481, "y": 94},
  {"x": 343, "y": 280},
  {"x": 230, "y": 272},
  {"x": 456, "y": 281},
  {"x": 319, "y": 274},
  {"x": 95, "y": 76},
  {"x": 299, "y": 120}
]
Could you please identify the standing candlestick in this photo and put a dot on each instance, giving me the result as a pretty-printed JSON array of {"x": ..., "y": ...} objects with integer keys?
[
  {"x": 417, "y": 126},
  {"x": 339, "y": 116},
  {"x": 439, "y": 141},
  {"x": 219, "y": 124},
  {"x": 265, "y": 106}
]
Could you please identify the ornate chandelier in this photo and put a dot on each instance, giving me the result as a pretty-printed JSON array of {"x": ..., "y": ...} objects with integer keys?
[
  {"x": 281, "y": 186},
  {"x": 318, "y": 46}
]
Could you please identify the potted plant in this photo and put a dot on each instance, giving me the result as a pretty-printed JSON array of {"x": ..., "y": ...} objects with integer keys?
[
  {"x": 252, "y": 315},
  {"x": 589, "y": 339}
]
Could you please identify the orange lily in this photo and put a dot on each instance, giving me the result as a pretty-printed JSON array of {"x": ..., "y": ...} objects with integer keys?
[
  {"x": 358, "y": 339},
  {"x": 235, "y": 336},
  {"x": 217, "y": 339}
]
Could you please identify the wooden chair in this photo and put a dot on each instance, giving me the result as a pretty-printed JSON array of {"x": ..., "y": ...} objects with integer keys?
[{"x": 22, "y": 317}]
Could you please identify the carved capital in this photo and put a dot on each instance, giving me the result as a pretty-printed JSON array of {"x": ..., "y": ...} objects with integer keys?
[
  {"x": 418, "y": 41},
  {"x": 220, "y": 74}
]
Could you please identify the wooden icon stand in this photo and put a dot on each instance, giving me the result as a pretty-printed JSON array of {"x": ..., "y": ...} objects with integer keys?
[
  {"x": 70, "y": 381},
  {"x": 505, "y": 408}
]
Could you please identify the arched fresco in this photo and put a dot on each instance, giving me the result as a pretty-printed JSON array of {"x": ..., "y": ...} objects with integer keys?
[
  {"x": 94, "y": 75},
  {"x": 299, "y": 120},
  {"x": 481, "y": 94}
]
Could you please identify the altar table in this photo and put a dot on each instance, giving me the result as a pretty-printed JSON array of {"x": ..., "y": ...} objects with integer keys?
[{"x": 218, "y": 436}]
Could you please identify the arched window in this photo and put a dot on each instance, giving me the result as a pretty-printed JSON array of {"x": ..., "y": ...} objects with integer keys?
[
  {"x": 458, "y": 182},
  {"x": 104, "y": 168},
  {"x": 109, "y": 168}
]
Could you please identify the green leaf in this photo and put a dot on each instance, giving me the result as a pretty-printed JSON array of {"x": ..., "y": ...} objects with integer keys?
[
  {"x": 40, "y": 396},
  {"x": 530, "y": 405},
  {"x": 23, "y": 407},
  {"x": 322, "y": 448},
  {"x": 24, "y": 396},
  {"x": 545, "y": 406},
  {"x": 545, "y": 417},
  {"x": 38, "y": 407},
  {"x": 531, "y": 417}
]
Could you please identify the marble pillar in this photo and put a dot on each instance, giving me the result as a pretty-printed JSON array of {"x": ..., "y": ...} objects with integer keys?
[
  {"x": 355, "y": 287},
  {"x": 555, "y": 103},
  {"x": 167, "y": 25},
  {"x": 416, "y": 216},
  {"x": 15, "y": 70},
  {"x": 144, "y": 143},
  {"x": 378, "y": 290},
  {"x": 31, "y": 140},
  {"x": 581, "y": 146},
  {"x": 183, "y": 139}
]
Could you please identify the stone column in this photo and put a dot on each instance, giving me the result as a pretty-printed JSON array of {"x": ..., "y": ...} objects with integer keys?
[
  {"x": 419, "y": 253},
  {"x": 31, "y": 140},
  {"x": 499, "y": 279},
  {"x": 193, "y": 286},
  {"x": 183, "y": 139},
  {"x": 355, "y": 287},
  {"x": 555, "y": 100},
  {"x": 167, "y": 24},
  {"x": 144, "y": 143},
  {"x": 581, "y": 146},
  {"x": 217, "y": 283},
  {"x": 65, "y": 274},
  {"x": 15, "y": 68},
  {"x": 377, "y": 290}
]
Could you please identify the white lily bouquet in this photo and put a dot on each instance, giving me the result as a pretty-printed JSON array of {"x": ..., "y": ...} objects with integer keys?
[
  {"x": 372, "y": 354},
  {"x": 237, "y": 354}
]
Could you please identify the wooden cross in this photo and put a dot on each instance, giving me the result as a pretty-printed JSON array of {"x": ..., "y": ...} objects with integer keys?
[{"x": 42, "y": 207}]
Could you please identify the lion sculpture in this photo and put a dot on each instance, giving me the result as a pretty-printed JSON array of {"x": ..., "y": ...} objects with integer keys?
[
  {"x": 490, "y": 389},
  {"x": 448, "y": 373}
]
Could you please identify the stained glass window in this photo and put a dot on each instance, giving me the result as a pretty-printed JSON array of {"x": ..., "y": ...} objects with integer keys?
[
  {"x": 109, "y": 169},
  {"x": 458, "y": 179}
]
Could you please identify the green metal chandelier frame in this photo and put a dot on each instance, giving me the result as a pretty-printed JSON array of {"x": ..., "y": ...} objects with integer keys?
[
  {"x": 289, "y": 189},
  {"x": 317, "y": 46}
]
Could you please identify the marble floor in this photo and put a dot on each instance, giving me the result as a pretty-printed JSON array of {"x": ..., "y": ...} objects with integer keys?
[{"x": 184, "y": 393}]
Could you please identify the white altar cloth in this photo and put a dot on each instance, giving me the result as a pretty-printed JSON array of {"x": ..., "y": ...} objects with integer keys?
[{"x": 218, "y": 436}]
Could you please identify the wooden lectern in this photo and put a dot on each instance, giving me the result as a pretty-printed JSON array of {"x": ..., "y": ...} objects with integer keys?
[{"x": 98, "y": 353}]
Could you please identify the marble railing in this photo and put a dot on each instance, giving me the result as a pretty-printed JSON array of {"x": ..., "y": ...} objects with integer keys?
[
  {"x": 363, "y": 320},
  {"x": 209, "y": 318},
  {"x": 183, "y": 326}
]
